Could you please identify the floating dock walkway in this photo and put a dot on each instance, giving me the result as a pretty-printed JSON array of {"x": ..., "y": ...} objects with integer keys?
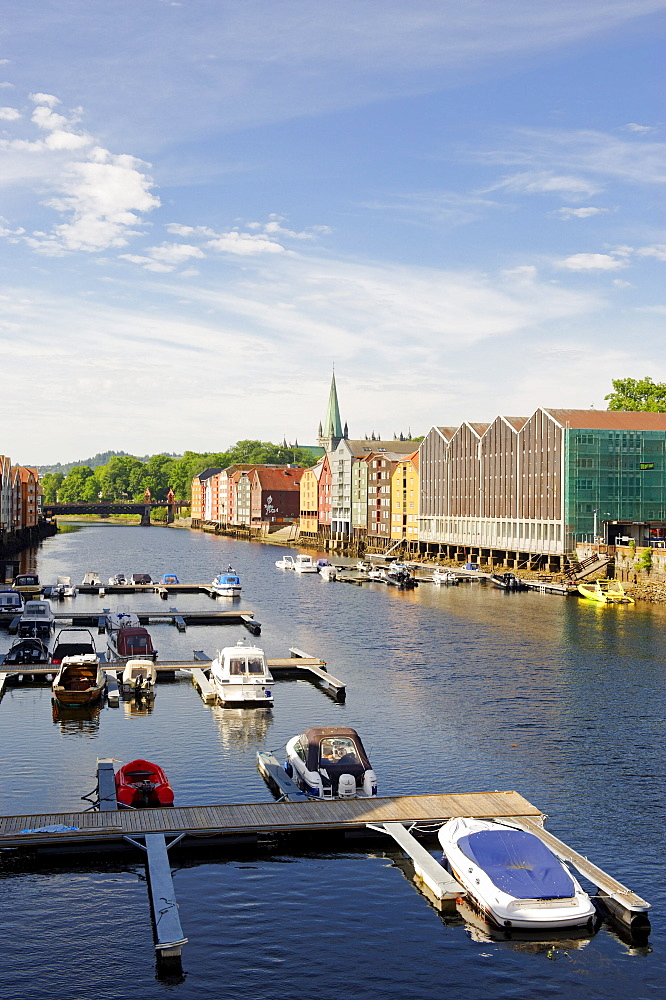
[{"x": 202, "y": 826}]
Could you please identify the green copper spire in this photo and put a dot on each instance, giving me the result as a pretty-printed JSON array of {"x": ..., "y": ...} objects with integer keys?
[{"x": 332, "y": 424}]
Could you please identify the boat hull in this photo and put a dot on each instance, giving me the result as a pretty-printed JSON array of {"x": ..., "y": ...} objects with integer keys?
[
  {"x": 249, "y": 695},
  {"x": 553, "y": 908},
  {"x": 141, "y": 783}
]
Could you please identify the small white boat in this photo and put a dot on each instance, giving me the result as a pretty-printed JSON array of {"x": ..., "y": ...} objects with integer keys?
[
  {"x": 65, "y": 586},
  {"x": 240, "y": 676},
  {"x": 287, "y": 562},
  {"x": 305, "y": 564},
  {"x": 512, "y": 877},
  {"x": 227, "y": 584},
  {"x": 11, "y": 605},
  {"x": 37, "y": 620},
  {"x": 119, "y": 580},
  {"x": 331, "y": 763},
  {"x": 91, "y": 579},
  {"x": 328, "y": 573},
  {"x": 121, "y": 619},
  {"x": 445, "y": 577},
  {"x": 378, "y": 574},
  {"x": 139, "y": 679}
]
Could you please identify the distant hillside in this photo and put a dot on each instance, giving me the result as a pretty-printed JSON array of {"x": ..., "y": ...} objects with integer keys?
[{"x": 100, "y": 459}]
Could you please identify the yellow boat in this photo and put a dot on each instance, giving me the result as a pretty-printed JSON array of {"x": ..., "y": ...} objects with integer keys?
[{"x": 604, "y": 592}]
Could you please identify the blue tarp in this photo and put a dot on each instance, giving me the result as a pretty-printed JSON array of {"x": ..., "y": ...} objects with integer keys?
[{"x": 518, "y": 863}]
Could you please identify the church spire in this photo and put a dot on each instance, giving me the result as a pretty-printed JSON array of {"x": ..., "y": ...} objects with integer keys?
[{"x": 332, "y": 426}]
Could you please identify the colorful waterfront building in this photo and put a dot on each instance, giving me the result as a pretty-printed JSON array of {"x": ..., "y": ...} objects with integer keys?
[
  {"x": 308, "y": 524},
  {"x": 275, "y": 494},
  {"x": 405, "y": 500}
]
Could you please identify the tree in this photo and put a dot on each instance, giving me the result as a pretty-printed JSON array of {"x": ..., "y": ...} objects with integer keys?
[
  {"x": 637, "y": 394},
  {"x": 51, "y": 483},
  {"x": 71, "y": 490}
]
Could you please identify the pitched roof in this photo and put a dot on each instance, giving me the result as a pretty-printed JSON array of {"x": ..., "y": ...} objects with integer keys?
[
  {"x": 332, "y": 423},
  {"x": 279, "y": 479},
  {"x": 361, "y": 449},
  {"x": 516, "y": 422},
  {"x": 621, "y": 420}
]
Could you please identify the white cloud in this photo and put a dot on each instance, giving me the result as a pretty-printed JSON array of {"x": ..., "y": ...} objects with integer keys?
[
  {"x": 49, "y": 99},
  {"x": 9, "y": 114},
  {"x": 545, "y": 182},
  {"x": 579, "y": 213},
  {"x": 642, "y": 129},
  {"x": 591, "y": 262},
  {"x": 175, "y": 253},
  {"x": 244, "y": 244},
  {"x": 658, "y": 251}
]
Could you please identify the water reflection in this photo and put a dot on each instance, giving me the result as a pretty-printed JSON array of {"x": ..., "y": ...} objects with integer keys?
[
  {"x": 242, "y": 727},
  {"x": 82, "y": 721},
  {"x": 137, "y": 707},
  {"x": 548, "y": 942}
]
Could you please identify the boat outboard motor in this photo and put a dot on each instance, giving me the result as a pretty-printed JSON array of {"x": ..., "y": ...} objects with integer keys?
[
  {"x": 370, "y": 783},
  {"x": 346, "y": 786}
]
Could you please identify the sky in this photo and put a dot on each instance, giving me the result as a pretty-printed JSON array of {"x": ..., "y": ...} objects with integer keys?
[{"x": 207, "y": 205}]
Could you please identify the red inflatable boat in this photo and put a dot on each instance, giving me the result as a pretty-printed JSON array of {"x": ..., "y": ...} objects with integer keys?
[{"x": 141, "y": 783}]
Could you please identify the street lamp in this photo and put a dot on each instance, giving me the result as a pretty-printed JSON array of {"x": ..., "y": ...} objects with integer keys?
[{"x": 594, "y": 534}]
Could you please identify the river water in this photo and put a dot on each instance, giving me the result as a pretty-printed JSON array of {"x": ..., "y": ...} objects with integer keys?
[{"x": 452, "y": 689}]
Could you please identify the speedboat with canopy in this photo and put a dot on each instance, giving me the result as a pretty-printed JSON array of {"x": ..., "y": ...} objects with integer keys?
[
  {"x": 240, "y": 676},
  {"x": 287, "y": 562},
  {"x": 331, "y": 763},
  {"x": 37, "y": 620},
  {"x": 446, "y": 577},
  {"x": 513, "y": 877},
  {"x": 72, "y": 642},
  {"x": 227, "y": 584},
  {"x": 129, "y": 643},
  {"x": 605, "y": 592},
  {"x": 304, "y": 563}
]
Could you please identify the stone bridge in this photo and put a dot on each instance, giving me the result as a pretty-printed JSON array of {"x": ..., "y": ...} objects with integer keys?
[{"x": 108, "y": 508}]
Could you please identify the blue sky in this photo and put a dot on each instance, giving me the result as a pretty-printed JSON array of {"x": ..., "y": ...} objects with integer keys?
[{"x": 206, "y": 204}]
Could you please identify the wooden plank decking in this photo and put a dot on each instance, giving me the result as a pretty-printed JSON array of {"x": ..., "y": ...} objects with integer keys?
[{"x": 262, "y": 817}]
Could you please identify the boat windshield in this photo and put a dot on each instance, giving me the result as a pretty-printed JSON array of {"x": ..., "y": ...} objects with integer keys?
[
  {"x": 241, "y": 665},
  {"x": 136, "y": 642},
  {"x": 338, "y": 750}
]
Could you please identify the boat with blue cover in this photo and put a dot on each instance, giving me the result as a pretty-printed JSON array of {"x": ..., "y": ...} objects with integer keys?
[
  {"x": 227, "y": 584},
  {"x": 513, "y": 877}
]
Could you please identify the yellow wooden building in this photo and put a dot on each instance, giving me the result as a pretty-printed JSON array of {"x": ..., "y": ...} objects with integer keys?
[{"x": 405, "y": 499}]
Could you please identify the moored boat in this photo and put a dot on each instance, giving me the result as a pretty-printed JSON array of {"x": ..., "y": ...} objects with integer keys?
[
  {"x": 328, "y": 573},
  {"x": 139, "y": 679},
  {"x": 24, "y": 652},
  {"x": 330, "y": 762},
  {"x": 605, "y": 592},
  {"x": 169, "y": 579},
  {"x": 512, "y": 876},
  {"x": 121, "y": 619},
  {"x": 240, "y": 676},
  {"x": 227, "y": 584},
  {"x": 79, "y": 681},
  {"x": 119, "y": 580},
  {"x": 287, "y": 562},
  {"x": 445, "y": 577},
  {"x": 304, "y": 563},
  {"x": 37, "y": 620},
  {"x": 91, "y": 579},
  {"x": 509, "y": 582},
  {"x": 141, "y": 783},
  {"x": 27, "y": 583},
  {"x": 399, "y": 575},
  {"x": 72, "y": 642},
  {"x": 130, "y": 642},
  {"x": 11, "y": 604},
  {"x": 140, "y": 579}
]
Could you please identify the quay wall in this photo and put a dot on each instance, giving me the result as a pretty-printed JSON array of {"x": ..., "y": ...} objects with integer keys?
[{"x": 13, "y": 542}]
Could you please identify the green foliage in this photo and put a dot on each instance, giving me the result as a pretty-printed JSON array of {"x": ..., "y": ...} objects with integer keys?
[
  {"x": 645, "y": 561},
  {"x": 124, "y": 477},
  {"x": 637, "y": 394}
]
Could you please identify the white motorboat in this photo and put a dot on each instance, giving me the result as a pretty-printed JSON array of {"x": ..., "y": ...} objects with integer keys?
[
  {"x": 445, "y": 577},
  {"x": 121, "y": 619},
  {"x": 328, "y": 573},
  {"x": 67, "y": 587},
  {"x": 331, "y": 763},
  {"x": 227, "y": 584},
  {"x": 399, "y": 575},
  {"x": 305, "y": 564},
  {"x": 513, "y": 878},
  {"x": 378, "y": 574},
  {"x": 240, "y": 676},
  {"x": 11, "y": 605},
  {"x": 362, "y": 566},
  {"x": 119, "y": 580},
  {"x": 139, "y": 679},
  {"x": 287, "y": 562},
  {"x": 37, "y": 620},
  {"x": 91, "y": 579}
]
